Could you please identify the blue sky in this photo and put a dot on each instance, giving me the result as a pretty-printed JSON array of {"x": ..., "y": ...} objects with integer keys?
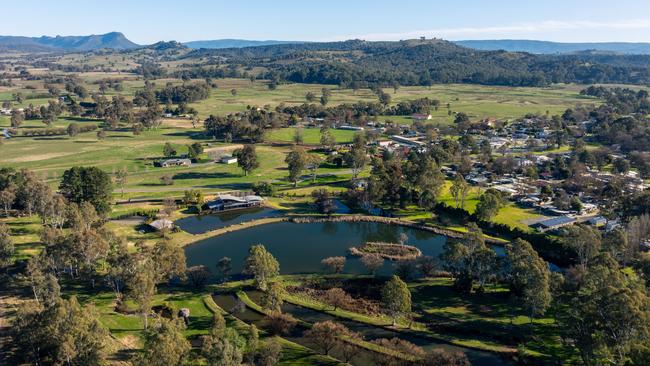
[{"x": 147, "y": 21}]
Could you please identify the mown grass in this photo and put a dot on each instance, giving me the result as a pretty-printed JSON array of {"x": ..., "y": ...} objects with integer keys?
[{"x": 311, "y": 136}]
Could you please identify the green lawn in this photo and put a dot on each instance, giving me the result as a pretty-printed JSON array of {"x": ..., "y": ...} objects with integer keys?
[{"x": 311, "y": 136}]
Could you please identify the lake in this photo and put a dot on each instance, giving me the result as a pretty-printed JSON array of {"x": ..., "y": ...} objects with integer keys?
[
  {"x": 299, "y": 248},
  {"x": 200, "y": 224}
]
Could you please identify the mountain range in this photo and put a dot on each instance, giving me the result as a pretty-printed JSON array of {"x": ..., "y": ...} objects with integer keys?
[
  {"x": 546, "y": 47},
  {"x": 118, "y": 41},
  {"x": 233, "y": 43},
  {"x": 112, "y": 40}
]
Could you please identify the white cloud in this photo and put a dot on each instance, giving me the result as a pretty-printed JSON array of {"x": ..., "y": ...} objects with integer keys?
[{"x": 565, "y": 30}]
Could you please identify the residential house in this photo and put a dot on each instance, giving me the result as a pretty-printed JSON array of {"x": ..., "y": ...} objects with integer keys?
[{"x": 225, "y": 202}]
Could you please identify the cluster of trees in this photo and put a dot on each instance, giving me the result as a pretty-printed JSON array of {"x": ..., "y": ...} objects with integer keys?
[
  {"x": 352, "y": 113},
  {"x": 397, "y": 182},
  {"x": 243, "y": 126},
  {"x": 186, "y": 93}
]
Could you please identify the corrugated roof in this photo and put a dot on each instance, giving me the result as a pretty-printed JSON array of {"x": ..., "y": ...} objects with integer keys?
[{"x": 556, "y": 221}]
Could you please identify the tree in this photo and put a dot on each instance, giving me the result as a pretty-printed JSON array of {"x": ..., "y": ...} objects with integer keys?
[
  {"x": 296, "y": 161},
  {"x": 606, "y": 314},
  {"x": 324, "y": 202},
  {"x": 224, "y": 265},
  {"x": 89, "y": 184},
  {"x": 247, "y": 158},
  {"x": 310, "y": 97},
  {"x": 261, "y": 265},
  {"x": 337, "y": 297},
  {"x": 169, "y": 260},
  {"x": 73, "y": 129},
  {"x": 222, "y": 346},
  {"x": 7, "y": 198},
  {"x": 584, "y": 240},
  {"x": 384, "y": 98},
  {"x": 121, "y": 177},
  {"x": 198, "y": 275},
  {"x": 269, "y": 354},
  {"x": 281, "y": 323},
  {"x": 327, "y": 139},
  {"x": 334, "y": 264},
  {"x": 6, "y": 247},
  {"x": 459, "y": 190},
  {"x": 272, "y": 298},
  {"x": 529, "y": 277},
  {"x": 64, "y": 333},
  {"x": 621, "y": 166},
  {"x": 461, "y": 118},
  {"x": 194, "y": 150},
  {"x": 233, "y": 92},
  {"x": 325, "y": 335},
  {"x": 169, "y": 151},
  {"x": 372, "y": 262},
  {"x": 17, "y": 118},
  {"x": 357, "y": 157},
  {"x": 442, "y": 357},
  {"x": 488, "y": 205},
  {"x": 396, "y": 298},
  {"x": 324, "y": 100},
  {"x": 142, "y": 288},
  {"x": 469, "y": 260},
  {"x": 298, "y": 136},
  {"x": 164, "y": 344}
]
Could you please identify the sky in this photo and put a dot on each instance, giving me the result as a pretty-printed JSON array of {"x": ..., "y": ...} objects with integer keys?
[{"x": 147, "y": 21}]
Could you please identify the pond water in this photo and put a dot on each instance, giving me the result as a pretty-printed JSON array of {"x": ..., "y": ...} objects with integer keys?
[
  {"x": 369, "y": 332},
  {"x": 300, "y": 247},
  {"x": 200, "y": 224}
]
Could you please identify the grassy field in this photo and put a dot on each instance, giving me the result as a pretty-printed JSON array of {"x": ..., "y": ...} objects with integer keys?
[
  {"x": 311, "y": 136},
  {"x": 476, "y": 100}
]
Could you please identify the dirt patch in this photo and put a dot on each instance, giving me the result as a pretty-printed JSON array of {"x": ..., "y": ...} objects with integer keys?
[
  {"x": 28, "y": 158},
  {"x": 179, "y": 122},
  {"x": 224, "y": 149}
]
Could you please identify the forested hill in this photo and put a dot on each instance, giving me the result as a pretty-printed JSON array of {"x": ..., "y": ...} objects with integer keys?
[{"x": 416, "y": 62}]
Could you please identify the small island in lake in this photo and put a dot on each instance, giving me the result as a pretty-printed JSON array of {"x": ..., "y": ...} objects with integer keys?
[{"x": 390, "y": 251}]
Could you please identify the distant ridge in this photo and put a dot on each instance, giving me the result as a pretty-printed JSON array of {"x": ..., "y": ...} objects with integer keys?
[
  {"x": 547, "y": 47},
  {"x": 234, "y": 43},
  {"x": 112, "y": 40}
]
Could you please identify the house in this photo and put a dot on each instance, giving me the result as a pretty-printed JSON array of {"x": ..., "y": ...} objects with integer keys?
[
  {"x": 553, "y": 223},
  {"x": 227, "y": 159},
  {"x": 350, "y": 128},
  {"x": 421, "y": 117},
  {"x": 162, "y": 224},
  {"x": 173, "y": 162},
  {"x": 597, "y": 221},
  {"x": 406, "y": 141},
  {"x": 228, "y": 202}
]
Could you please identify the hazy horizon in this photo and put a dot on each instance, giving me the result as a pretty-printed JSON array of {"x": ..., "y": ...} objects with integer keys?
[{"x": 147, "y": 22}]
